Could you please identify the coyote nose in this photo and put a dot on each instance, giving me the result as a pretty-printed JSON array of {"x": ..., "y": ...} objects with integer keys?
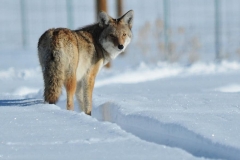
[{"x": 120, "y": 46}]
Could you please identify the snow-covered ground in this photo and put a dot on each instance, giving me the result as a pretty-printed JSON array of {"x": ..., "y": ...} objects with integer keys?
[
  {"x": 160, "y": 111},
  {"x": 143, "y": 109}
]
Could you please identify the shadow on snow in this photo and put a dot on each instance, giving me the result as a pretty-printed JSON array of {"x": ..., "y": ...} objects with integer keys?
[{"x": 20, "y": 102}]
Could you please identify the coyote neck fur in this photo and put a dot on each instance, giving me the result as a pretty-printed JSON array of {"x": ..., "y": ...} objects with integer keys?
[{"x": 95, "y": 30}]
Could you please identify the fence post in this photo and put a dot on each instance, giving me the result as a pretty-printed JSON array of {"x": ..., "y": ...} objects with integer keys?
[
  {"x": 101, "y": 5},
  {"x": 70, "y": 14},
  {"x": 166, "y": 26},
  {"x": 217, "y": 28},
  {"x": 24, "y": 24},
  {"x": 119, "y": 8}
]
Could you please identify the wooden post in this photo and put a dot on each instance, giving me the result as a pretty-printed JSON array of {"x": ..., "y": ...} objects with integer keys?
[
  {"x": 119, "y": 8},
  {"x": 101, "y": 5}
]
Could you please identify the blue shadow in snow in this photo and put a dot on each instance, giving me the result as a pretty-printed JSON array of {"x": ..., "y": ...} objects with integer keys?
[{"x": 20, "y": 102}]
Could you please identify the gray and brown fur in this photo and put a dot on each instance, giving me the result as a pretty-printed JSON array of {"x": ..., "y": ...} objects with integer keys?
[{"x": 72, "y": 58}]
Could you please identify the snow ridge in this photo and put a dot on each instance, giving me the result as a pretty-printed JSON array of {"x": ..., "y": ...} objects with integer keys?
[
  {"x": 168, "y": 134},
  {"x": 165, "y": 70}
]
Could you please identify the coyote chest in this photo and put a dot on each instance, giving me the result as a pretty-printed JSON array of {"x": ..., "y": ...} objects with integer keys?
[
  {"x": 83, "y": 66},
  {"x": 72, "y": 58}
]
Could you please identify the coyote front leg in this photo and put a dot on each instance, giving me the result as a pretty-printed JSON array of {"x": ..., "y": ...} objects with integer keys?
[
  {"x": 84, "y": 93},
  {"x": 79, "y": 95},
  {"x": 88, "y": 82},
  {"x": 87, "y": 86}
]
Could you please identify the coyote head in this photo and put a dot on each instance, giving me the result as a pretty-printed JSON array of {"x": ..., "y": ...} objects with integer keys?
[{"x": 116, "y": 34}]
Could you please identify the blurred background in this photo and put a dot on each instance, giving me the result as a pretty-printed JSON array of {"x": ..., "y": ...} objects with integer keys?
[{"x": 183, "y": 31}]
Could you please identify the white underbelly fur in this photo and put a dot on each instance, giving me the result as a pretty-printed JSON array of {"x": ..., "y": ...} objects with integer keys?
[{"x": 83, "y": 65}]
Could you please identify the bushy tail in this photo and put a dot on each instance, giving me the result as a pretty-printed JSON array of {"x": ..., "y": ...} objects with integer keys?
[
  {"x": 53, "y": 77},
  {"x": 51, "y": 60}
]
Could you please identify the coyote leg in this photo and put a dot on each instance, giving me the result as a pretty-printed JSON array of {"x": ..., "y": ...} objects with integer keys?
[
  {"x": 79, "y": 95},
  {"x": 70, "y": 86},
  {"x": 89, "y": 81}
]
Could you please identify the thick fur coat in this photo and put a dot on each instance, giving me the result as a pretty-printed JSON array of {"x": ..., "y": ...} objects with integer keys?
[{"x": 72, "y": 58}]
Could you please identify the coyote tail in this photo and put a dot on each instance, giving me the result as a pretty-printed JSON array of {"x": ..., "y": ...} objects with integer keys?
[
  {"x": 53, "y": 78},
  {"x": 51, "y": 60}
]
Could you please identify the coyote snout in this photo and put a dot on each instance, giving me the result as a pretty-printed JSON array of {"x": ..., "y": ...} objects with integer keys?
[
  {"x": 72, "y": 58},
  {"x": 120, "y": 46}
]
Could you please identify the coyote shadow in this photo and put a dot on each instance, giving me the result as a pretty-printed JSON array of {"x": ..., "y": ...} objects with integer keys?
[{"x": 20, "y": 102}]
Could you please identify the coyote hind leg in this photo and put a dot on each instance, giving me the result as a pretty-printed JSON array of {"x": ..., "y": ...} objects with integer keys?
[{"x": 70, "y": 86}]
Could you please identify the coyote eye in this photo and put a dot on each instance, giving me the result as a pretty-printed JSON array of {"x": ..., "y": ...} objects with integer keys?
[{"x": 111, "y": 35}]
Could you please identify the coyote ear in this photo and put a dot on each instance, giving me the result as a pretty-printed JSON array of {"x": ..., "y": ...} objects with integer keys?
[
  {"x": 128, "y": 18},
  {"x": 103, "y": 19}
]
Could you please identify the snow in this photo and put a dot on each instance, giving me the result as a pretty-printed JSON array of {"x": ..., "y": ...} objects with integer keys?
[
  {"x": 157, "y": 111},
  {"x": 229, "y": 88},
  {"x": 184, "y": 112},
  {"x": 39, "y": 131},
  {"x": 142, "y": 108}
]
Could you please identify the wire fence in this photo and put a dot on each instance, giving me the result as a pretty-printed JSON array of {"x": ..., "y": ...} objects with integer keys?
[{"x": 168, "y": 30}]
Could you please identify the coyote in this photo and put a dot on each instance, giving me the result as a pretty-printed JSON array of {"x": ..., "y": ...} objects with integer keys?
[{"x": 72, "y": 58}]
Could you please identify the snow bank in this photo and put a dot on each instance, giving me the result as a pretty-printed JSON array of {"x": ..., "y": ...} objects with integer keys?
[
  {"x": 186, "y": 112},
  {"x": 169, "y": 134},
  {"x": 165, "y": 70},
  {"x": 229, "y": 88},
  {"x": 33, "y": 130},
  {"x": 25, "y": 74}
]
